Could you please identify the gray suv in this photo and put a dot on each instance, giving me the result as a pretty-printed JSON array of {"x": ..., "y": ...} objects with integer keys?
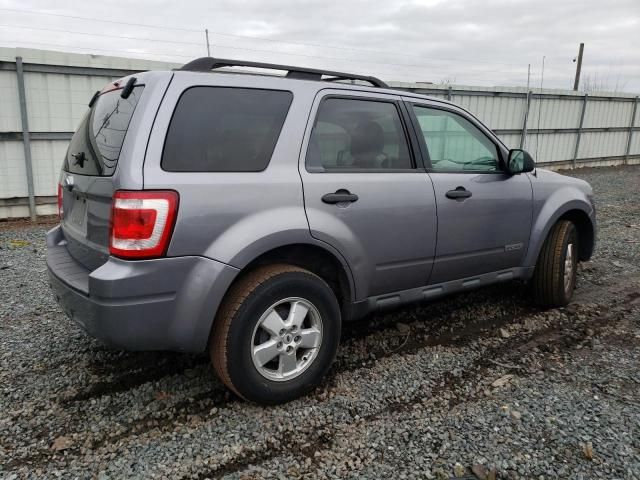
[{"x": 251, "y": 214}]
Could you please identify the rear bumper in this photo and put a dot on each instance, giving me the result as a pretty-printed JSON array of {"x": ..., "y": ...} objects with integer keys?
[{"x": 161, "y": 304}]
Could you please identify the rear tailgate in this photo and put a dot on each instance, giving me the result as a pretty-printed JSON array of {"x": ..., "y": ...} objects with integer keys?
[{"x": 87, "y": 177}]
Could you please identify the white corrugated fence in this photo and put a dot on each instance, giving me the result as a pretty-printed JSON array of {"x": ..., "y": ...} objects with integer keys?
[{"x": 563, "y": 129}]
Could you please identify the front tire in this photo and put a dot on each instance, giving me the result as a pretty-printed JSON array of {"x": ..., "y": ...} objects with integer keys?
[
  {"x": 554, "y": 278},
  {"x": 276, "y": 334}
]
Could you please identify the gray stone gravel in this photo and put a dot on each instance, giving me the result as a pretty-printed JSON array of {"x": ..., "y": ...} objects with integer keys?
[{"x": 427, "y": 392}]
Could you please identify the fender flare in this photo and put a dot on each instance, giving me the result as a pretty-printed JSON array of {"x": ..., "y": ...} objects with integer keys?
[
  {"x": 554, "y": 208},
  {"x": 220, "y": 280},
  {"x": 266, "y": 231}
]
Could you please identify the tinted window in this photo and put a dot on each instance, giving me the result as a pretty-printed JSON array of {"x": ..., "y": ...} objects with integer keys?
[
  {"x": 454, "y": 143},
  {"x": 219, "y": 129},
  {"x": 95, "y": 147},
  {"x": 357, "y": 134}
]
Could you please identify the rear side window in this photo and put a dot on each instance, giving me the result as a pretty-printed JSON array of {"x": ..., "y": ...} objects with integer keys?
[
  {"x": 354, "y": 134},
  {"x": 220, "y": 129},
  {"x": 95, "y": 147}
]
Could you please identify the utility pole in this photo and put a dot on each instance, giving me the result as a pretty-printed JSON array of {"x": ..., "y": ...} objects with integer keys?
[
  {"x": 578, "y": 67},
  {"x": 206, "y": 32},
  {"x": 523, "y": 135}
]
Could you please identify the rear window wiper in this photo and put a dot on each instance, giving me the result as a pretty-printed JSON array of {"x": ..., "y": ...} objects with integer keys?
[
  {"x": 94, "y": 98},
  {"x": 128, "y": 88}
]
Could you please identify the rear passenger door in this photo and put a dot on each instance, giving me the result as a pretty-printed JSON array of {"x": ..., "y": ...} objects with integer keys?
[{"x": 364, "y": 193}]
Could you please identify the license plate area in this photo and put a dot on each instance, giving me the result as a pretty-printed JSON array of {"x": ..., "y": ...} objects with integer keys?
[{"x": 78, "y": 214}]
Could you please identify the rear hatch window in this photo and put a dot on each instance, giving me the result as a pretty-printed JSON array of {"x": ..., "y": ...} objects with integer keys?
[{"x": 95, "y": 147}]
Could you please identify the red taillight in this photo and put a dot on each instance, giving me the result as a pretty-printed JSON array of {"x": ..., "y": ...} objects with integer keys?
[
  {"x": 142, "y": 223},
  {"x": 60, "y": 209}
]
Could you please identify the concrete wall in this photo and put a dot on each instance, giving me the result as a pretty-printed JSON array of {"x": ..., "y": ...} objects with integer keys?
[{"x": 59, "y": 85}]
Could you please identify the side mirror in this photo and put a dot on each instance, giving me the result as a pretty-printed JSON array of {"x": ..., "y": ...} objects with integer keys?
[{"x": 519, "y": 161}]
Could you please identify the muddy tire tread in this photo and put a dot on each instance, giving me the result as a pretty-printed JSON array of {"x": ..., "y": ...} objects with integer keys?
[
  {"x": 235, "y": 297},
  {"x": 548, "y": 280}
]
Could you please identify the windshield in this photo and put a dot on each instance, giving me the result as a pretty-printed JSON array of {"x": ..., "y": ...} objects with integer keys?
[{"x": 95, "y": 147}]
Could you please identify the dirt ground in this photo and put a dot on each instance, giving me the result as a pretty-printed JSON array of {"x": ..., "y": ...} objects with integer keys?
[{"x": 481, "y": 384}]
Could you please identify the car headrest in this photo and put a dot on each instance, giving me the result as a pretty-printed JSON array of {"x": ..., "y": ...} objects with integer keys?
[{"x": 367, "y": 138}]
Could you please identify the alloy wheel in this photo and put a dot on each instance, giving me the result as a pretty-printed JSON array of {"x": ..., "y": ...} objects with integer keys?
[{"x": 286, "y": 339}]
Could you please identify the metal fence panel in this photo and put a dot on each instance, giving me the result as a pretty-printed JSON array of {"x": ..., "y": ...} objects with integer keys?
[
  {"x": 56, "y": 102},
  {"x": 12, "y": 170},
  {"x": 555, "y": 112},
  {"x": 9, "y": 103},
  {"x": 603, "y": 144},
  {"x": 608, "y": 113},
  {"x": 58, "y": 86},
  {"x": 635, "y": 144},
  {"x": 511, "y": 140},
  {"x": 495, "y": 112},
  {"x": 555, "y": 147},
  {"x": 47, "y": 157}
]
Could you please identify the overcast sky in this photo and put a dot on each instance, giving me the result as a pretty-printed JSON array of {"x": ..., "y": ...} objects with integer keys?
[{"x": 487, "y": 42}]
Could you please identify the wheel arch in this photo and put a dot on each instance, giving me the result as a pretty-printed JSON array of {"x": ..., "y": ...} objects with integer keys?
[
  {"x": 318, "y": 260},
  {"x": 586, "y": 231},
  {"x": 579, "y": 211}
]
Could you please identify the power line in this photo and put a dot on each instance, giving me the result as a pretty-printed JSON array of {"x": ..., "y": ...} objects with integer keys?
[
  {"x": 77, "y": 17},
  {"x": 350, "y": 60},
  {"x": 90, "y": 49},
  {"x": 143, "y": 54},
  {"x": 106, "y": 35},
  {"x": 168, "y": 58},
  {"x": 249, "y": 37}
]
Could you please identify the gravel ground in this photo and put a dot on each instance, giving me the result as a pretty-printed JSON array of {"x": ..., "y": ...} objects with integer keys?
[{"x": 480, "y": 385}]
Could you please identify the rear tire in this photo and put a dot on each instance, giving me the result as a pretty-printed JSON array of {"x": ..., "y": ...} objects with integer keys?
[
  {"x": 554, "y": 278},
  {"x": 275, "y": 334}
]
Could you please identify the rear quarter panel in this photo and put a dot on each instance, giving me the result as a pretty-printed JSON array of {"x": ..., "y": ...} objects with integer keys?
[{"x": 233, "y": 217}]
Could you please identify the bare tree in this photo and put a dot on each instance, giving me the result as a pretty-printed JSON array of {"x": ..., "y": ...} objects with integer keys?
[
  {"x": 447, "y": 81},
  {"x": 596, "y": 83}
]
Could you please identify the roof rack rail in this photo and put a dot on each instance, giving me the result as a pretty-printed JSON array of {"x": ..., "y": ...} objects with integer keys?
[{"x": 204, "y": 64}]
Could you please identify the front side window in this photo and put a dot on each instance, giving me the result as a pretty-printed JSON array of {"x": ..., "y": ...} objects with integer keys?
[
  {"x": 454, "y": 143},
  {"x": 351, "y": 134},
  {"x": 222, "y": 129}
]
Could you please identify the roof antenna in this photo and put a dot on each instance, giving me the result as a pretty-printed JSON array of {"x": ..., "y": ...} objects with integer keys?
[{"x": 539, "y": 108}]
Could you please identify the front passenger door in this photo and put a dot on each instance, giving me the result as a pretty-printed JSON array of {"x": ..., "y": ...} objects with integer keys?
[{"x": 484, "y": 214}]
